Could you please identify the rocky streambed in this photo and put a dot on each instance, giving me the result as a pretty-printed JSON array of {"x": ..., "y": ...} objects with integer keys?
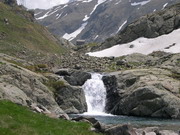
[
  {"x": 150, "y": 89},
  {"x": 115, "y": 128}
]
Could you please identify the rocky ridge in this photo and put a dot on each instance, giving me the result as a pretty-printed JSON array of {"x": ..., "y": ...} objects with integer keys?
[
  {"x": 147, "y": 92},
  {"x": 96, "y": 20},
  {"x": 149, "y": 26}
]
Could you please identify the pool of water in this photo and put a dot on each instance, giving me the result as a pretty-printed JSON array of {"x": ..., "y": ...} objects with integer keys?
[{"x": 136, "y": 121}]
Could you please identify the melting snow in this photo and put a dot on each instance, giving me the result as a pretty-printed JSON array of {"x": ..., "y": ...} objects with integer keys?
[
  {"x": 167, "y": 43},
  {"x": 96, "y": 37},
  {"x": 85, "y": 18},
  {"x": 140, "y": 3},
  {"x": 121, "y": 26},
  {"x": 59, "y": 15},
  {"x": 165, "y": 5},
  {"x": 98, "y": 3},
  {"x": 117, "y": 2},
  {"x": 75, "y": 33},
  {"x": 50, "y": 12}
]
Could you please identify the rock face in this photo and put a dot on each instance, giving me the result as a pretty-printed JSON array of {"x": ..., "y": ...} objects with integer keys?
[
  {"x": 143, "y": 92},
  {"x": 24, "y": 87},
  {"x": 149, "y": 26},
  {"x": 71, "y": 99},
  {"x": 121, "y": 130},
  {"x": 46, "y": 93},
  {"x": 101, "y": 19},
  {"x": 77, "y": 78},
  {"x": 70, "y": 95}
]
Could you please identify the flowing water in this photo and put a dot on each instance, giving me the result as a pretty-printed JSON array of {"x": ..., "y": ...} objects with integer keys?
[{"x": 95, "y": 94}]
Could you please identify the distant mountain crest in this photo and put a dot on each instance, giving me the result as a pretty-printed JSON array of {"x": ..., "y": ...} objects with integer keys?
[{"x": 96, "y": 20}]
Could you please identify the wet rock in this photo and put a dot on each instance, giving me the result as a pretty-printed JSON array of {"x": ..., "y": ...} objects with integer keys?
[
  {"x": 77, "y": 78},
  {"x": 121, "y": 130},
  {"x": 90, "y": 119},
  {"x": 63, "y": 72},
  {"x": 167, "y": 132},
  {"x": 64, "y": 116},
  {"x": 71, "y": 99},
  {"x": 143, "y": 92}
]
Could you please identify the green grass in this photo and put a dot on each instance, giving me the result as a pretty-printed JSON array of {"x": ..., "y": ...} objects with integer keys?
[
  {"x": 55, "y": 85},
  {"x": 18, "y": 120},
  {"x": 21, "y": 34}
]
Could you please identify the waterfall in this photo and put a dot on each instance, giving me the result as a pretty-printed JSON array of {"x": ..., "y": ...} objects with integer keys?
[{"x": 95, "y": 93}]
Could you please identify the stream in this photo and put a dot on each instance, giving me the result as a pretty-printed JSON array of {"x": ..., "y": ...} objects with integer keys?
[{"x": 95, "y": 93}]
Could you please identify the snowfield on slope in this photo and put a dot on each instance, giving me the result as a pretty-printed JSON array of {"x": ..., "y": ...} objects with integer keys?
[{"x": 168, "y": 43}]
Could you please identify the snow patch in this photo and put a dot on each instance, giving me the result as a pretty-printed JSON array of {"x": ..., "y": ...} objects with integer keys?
[
  {"x": 168, "y": 43},
  {"x": 165, "y": 5},
  {"x": 98, "y": 3},
  {"x": 140, "y": 3},
  {"x": 121, "y": 26},
  {"x": 75, "y": 33}
]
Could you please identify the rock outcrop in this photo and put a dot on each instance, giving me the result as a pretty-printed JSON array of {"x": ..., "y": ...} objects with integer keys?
[
  {"x": 25, "y": 87},
  {"x": 70, "y": 95},
  {"x": 100, "y": 19},
  {"x": 42, "y": 92},
  {"x": 149, "y": 26},
  {"x": 71, "y": 99},
  {"x": 143, "y": 92},
  {"x": 78, "y": 78}
]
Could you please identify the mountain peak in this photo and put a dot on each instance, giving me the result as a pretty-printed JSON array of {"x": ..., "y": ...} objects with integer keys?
[{"x": 96, "y": 20}]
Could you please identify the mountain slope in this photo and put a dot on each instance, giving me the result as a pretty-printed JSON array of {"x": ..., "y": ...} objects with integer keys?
[
  {"x": 149, "y": 26},
  {"x": 96, "y": 20},
  {"x": 20, "y": 36},
  {"x": 167, "y": 43}
]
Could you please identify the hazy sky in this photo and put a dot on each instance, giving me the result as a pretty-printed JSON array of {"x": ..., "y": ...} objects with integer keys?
[{"x": 43, "y": 4}]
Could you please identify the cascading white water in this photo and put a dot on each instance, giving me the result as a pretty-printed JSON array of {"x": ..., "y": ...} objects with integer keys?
[{"x": 95, "y": 93}]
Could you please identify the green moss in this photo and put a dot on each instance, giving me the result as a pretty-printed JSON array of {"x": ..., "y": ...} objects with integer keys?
[
  {"x": 1, "y": 63},
  {"x": 58, "y": 84},
  {"x": 175, "y": 76},
  {"x": 55, "y": 85},
  {"x": 18, "y": 120},
  {"x": 14, "y": 62},
  {"x": 39, "y": 68},
  {"x": 91, "y": 44}
]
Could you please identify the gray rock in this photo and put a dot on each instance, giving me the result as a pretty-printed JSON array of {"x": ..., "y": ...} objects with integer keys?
[
  {"x": 143, "y": 92},
  {"x": 121, "y": 130},
  {"x": 149, "y": 26},
  {"x": 77, "y": 78},
  {"x": 26, "y": 88},
  {"x": 71, "y": 99},
  {"x": 90, "y": 119},
  {"x": 167, "y": 132},
  {"x": 105, "y": 20},
  {"x": 63, "y": 72}
]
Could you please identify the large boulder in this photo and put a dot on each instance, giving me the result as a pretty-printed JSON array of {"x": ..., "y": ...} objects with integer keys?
[
  {"x": 71, "y": 98},
  {"x": 121, "y": 130},
  {"x": 77, "y": 78},
  {"x": 143, "y": 92}
]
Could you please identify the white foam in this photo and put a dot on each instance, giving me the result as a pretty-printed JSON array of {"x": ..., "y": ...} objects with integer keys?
[{"x": 95, "y": 93}]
